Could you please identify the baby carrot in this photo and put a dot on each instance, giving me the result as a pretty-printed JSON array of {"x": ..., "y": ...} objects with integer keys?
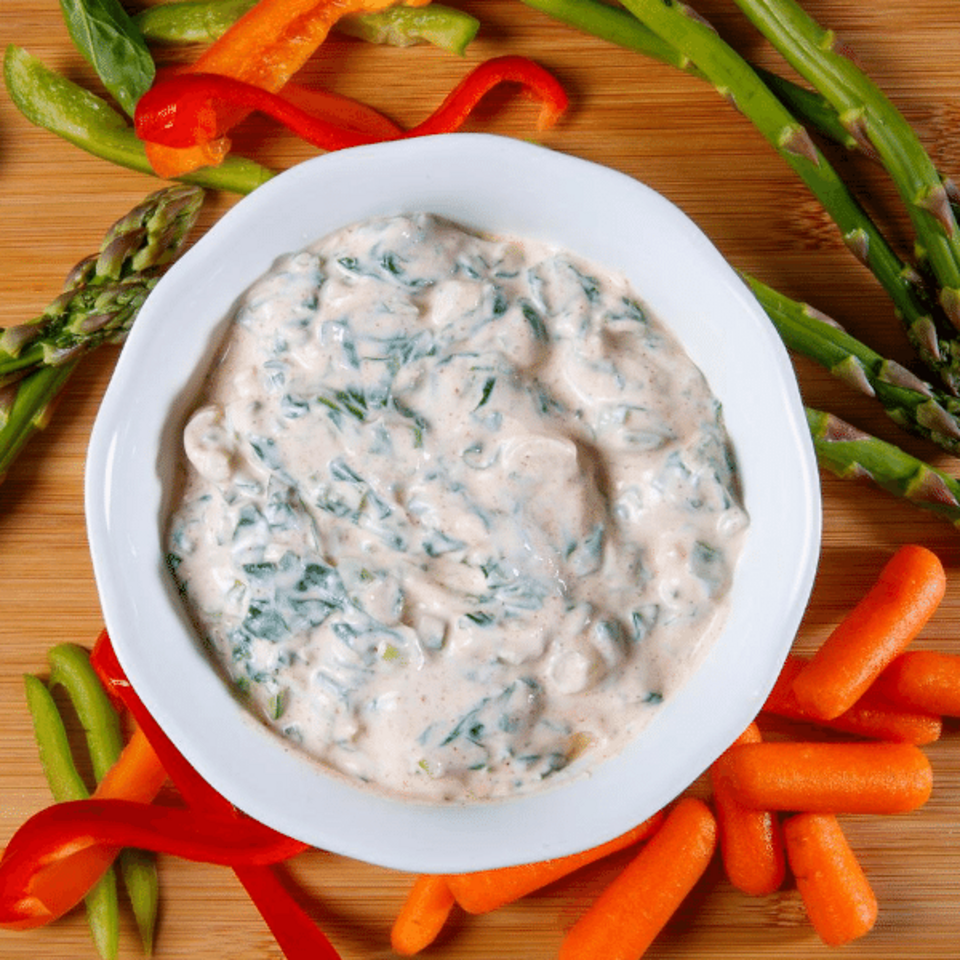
[
  {"x": 837, "y": 895},
  {"x": 751, "y": 842},
  {"x": 423, "y": 914},
  {"x": 924, "y": 680},
  {"x": 867, "y": 777},
  {"x": 629, "y": 914},
  {"x": 486, "y": 890},
  {"x": 905, "y": 595},
  {"x": 873, "y": 715}
]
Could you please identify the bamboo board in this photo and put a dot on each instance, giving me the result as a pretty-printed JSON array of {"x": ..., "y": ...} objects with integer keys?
[{"x": 678, "y": 136}]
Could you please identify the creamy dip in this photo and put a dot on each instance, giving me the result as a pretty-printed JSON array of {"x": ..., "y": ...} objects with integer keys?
[{"x": 457, "y": 510}]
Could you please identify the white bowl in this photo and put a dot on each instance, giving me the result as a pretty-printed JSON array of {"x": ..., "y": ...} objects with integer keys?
[{"x": 503, "y": 186}]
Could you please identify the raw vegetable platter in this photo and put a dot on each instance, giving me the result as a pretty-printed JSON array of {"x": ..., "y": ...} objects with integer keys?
[{"x": 675, "y": 133}]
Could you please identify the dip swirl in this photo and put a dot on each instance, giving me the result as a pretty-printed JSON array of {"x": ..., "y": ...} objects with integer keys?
[{"x": 458, "y": 513}]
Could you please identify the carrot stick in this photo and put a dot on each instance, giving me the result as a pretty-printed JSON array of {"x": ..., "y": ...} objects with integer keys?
[
  {"x": 873, "y": 715},
  {"x": 751, "y": 841},
  {"x": 904, "y": 597},
  {"x": 923, "y": 680},
  {"x": 827, "y": 777},
  {"x": 837, "y": 895},
  {"x": 486, "y": 890},
  {"x": 137, "y": 775},
  {"x": 629, "y": 914},
  {"x": 423, "y": 914}
]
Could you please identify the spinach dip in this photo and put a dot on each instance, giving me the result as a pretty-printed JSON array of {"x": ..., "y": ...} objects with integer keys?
[{"x": 458, "y": 514}]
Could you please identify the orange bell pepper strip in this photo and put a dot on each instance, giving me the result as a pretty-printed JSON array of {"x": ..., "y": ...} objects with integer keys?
[{"x": 265, "y": 47}]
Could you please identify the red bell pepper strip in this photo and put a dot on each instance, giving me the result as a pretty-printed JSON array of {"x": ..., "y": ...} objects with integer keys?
[
  {"x": 345, "y": 111},
  {"x": 45, "y": 870},
  {"x": 184, "y": 110},
  {"x": 535, "y": 81},
  {"x": 296, "y": 933},
  {"x": 335, "y": 107},
  {"x": 265, "y": 47}
]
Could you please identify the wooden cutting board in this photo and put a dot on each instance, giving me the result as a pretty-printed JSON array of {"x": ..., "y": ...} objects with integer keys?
[{"x": 678, "y": 136}]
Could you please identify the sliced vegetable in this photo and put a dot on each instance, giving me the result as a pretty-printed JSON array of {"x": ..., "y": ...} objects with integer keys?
[
  {"x": 874, "y": 715},
  {"x": 186, "y": 110},
  {"x": 275, "y": 38},
  {"x": 296, "y": 933},
  {"x": 60, "y": 884},
  {"x": 751, "y": 840},
  {"x": 535, "y": 81},
  {"x": 838, "y": 897},
  {"x": 137, "y": 774},
  {"x": 401, "y": 26},
  {"x": 629, "y": 914},
  {"x": 906, "y": 594},
  {"x": 827, "y": 777},
  {"x": 486, "y": 890},
  {"x": 138, "y": 868},
  {"x": 203, "y": 21},
  {"x": 101, "y": 901},
  {"x": 49, "y": 100},
  {"x": 265, "y": 48},
  {"x": 112, "y": 44},
  {"x": 344, "y": 111},
  {"x": 422, "y": 916},
  {"x": 924, "y": 680},
  {"x": 189, "y": 21},
  {"x": 70, "y": 669},
  {"x": 132, "y": 772},
  {"x": 50, "y": 862}
]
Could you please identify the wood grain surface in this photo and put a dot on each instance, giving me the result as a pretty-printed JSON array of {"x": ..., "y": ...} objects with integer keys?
[{"x": 678, "y": 136}]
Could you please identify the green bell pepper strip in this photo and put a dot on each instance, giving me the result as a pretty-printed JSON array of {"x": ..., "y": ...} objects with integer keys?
[
  {"x": 51, "y": 101},
  {"x": 203, "y": 21},
  {"x": 70, "y": 669},
  {"x": 102, "y": 903},
  {"x": 444, "y": 27}
]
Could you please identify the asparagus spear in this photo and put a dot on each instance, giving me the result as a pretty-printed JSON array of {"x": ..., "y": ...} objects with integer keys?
[
  {"x": 852, "y": 454},
  {"x": 101, "y": 298},
  {"x": 674, "y": 34},
  {"x": 733, "y": 77},
  {"x": 869, "y": 115},
  {"x": 619, "y": 26},
  {"x": 912, "y": 403}
]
